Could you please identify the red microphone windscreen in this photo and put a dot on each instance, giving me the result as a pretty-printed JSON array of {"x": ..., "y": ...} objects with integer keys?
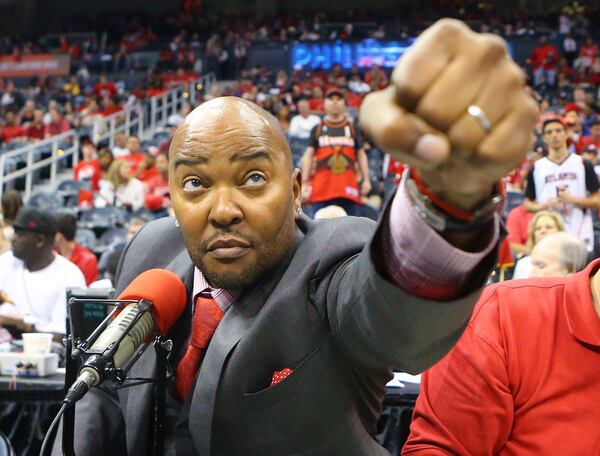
[{"x": 165, "y": 290}]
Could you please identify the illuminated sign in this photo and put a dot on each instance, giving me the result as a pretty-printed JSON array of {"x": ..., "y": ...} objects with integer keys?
[{"x": 364, "y": 54}]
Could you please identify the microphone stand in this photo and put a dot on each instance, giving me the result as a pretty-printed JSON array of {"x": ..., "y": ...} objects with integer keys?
[
  {"x": 162, "y": 347},
  {"x": 76, "y": 350}
]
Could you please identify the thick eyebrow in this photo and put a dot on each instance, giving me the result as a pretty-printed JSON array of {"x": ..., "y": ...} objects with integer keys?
[
  {"x": 202, "y": 160},
  {"x": 251, "y": 155},
  {"x": 189, "y": 161}
]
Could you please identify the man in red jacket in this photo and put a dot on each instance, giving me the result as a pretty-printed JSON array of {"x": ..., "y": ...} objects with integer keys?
[
  {"x": 157, "y": 188},
  {"x": 65, "y": 242},
  {"x": 544, "y": 60},
  {"x": 524, "y": 378}
]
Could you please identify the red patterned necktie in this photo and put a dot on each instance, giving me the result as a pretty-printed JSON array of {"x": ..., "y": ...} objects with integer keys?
[{"x": 207, "y": 315}]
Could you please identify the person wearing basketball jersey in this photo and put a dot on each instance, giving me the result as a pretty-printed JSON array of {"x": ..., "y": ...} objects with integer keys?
[
  {"x": 564, "y": 182},
  {"x": 329, "y": 164}
]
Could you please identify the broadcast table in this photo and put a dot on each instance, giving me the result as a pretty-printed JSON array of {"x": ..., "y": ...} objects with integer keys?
[{"x": 27, "y": 411}]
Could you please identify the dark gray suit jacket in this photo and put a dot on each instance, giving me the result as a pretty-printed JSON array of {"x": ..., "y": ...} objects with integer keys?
[{"x": 324, "y": 312}]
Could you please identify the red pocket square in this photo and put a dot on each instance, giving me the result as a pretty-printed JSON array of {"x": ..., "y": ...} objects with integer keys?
[{"x": 280, "y": 375}]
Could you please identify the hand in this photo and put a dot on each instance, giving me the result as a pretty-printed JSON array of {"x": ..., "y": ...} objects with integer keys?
[
  {"x": 566, "y": 197},
  {"x": 15, "y": 323},
  {"x": 366, "y": 187},
  {"x": 553, "y": 203},
  {"x": 421, "y": 118}
]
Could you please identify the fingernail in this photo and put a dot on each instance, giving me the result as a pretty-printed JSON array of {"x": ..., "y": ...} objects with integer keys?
[{"x": 432, "y": 148}]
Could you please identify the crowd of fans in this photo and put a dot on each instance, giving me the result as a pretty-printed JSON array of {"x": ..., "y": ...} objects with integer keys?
[{"x": 317, "y": 110}]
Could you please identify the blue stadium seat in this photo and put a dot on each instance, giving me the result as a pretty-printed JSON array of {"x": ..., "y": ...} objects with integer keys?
[
  {"x": 68, "y": 185},
  {"x": 112, "y": 238},
  {"x": 46, "y": 200},
  {"x": 86, "y": 238},
  {"x": 513, "y": 199},
  {"x": 144, "y": 214},
  {"x": 103, "y": 218}
]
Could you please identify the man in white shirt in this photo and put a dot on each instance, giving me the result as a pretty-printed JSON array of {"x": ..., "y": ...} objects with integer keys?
[
  {"x": 564, "y": 182},
  {"x": 33, "y": 279},
  {"x": 120, "y": 150},
  {"x": 300, "y": 127}
]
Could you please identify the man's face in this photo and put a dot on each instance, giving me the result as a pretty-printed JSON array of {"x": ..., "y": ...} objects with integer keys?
[
  {"x": 595, "y": 131},
  {"x": 544, "y": 260},
  {"x": 233, "y": 192},
  {"x": 133, "y": 145},
  {"x": 120, "y": 140},
  {"x": 303, "y": 108},
  {"x": 335, "y": 105},
  {"x": 555, "y": 135},
  {"x": 26, "y": 244}
]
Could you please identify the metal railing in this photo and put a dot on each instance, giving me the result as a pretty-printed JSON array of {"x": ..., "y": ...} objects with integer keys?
[
  {"x": 47, "y": 153},
  {"x": 141, "y": 119}
]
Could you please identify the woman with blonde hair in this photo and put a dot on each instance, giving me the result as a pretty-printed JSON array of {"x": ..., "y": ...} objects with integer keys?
[
  {"x": 119, "y": 188},
  {"x": 542, "y": 224}
]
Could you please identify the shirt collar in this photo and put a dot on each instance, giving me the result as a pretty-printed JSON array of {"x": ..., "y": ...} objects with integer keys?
[
  {"x": 582, "y": 318},
  {"x": 223, "y": 297}
]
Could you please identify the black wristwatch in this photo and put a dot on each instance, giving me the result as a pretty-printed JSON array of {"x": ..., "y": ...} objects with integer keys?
[{"x": 443, "y": 222}]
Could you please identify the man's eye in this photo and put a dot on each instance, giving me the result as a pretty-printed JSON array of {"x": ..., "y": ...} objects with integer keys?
[
  {"x": 192, "y": 185},
  {"x": 255, "y": 179}
]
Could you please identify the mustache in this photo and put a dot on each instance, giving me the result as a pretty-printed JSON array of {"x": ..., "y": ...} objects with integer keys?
[{"x": 226, "y": 233}]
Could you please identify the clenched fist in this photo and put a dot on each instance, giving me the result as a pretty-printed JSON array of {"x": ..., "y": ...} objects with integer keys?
[{"x": 423, "y": 117}]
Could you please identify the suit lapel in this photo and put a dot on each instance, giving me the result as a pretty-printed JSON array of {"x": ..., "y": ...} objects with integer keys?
[
  {"x": 234, "y": 325},
  {"x": 137, "y": 400}
]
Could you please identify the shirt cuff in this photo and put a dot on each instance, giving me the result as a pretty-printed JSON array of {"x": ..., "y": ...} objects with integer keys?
[{"x": 423, "y": 263}]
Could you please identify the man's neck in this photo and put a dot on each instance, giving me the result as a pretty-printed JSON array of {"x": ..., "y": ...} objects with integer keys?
[
  {"x": 66, "y": 249},
  {"x": 43, "y": 261},
  {"x": 335, "y": 118},
  {"x": 558, "y": 155}
]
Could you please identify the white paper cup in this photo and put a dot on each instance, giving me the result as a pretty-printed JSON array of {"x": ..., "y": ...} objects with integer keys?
[{"x": 37, "y": 343}]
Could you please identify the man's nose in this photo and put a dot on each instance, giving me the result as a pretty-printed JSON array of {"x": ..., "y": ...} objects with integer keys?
[{"x": 225, "y": 210}]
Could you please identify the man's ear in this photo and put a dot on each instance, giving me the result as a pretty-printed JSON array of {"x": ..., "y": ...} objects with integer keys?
[
  {"x": 297, "y": 188},
  {"x": 39, "y": 240}
]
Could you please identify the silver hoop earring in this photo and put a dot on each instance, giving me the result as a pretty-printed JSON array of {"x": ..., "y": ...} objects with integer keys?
[
  {"x": 299, "y": 211},
  {"x": 177, "y": 223}
]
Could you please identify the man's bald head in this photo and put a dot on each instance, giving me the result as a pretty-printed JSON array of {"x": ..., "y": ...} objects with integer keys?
[
  {"x": 233, "y": 191},
  {"x": 558, "y": 254},
  {"x": 230, "y": 119}
]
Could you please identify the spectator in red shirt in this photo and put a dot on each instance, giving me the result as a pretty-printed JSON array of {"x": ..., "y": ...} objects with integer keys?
[
  {"x": 134, "y": 147},
  {"x": 587, "y": 54},
  {"x": 594, "y": 137},
  {"x": 544, "y": 60},
  {"x": 158, "y": 198},
  {"x": 66, "y": 245},
  {"x": 316, "y": 102},
  {"x": 524, "y": 378},
  {"x": 10, "y": 130},
  {"x": 88, "y": 173},
  {"x": 37, "y": 130},
  {"x": 104, "y": 88},
  {"x": 58, "y": 124},
  {"x": 109, "y": 107},
  {"x": 517, "y": 225},
  {"x": 146, "y": 169}
]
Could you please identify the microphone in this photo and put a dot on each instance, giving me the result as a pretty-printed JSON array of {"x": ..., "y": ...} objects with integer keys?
[{"x": 166, "y": 293}]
